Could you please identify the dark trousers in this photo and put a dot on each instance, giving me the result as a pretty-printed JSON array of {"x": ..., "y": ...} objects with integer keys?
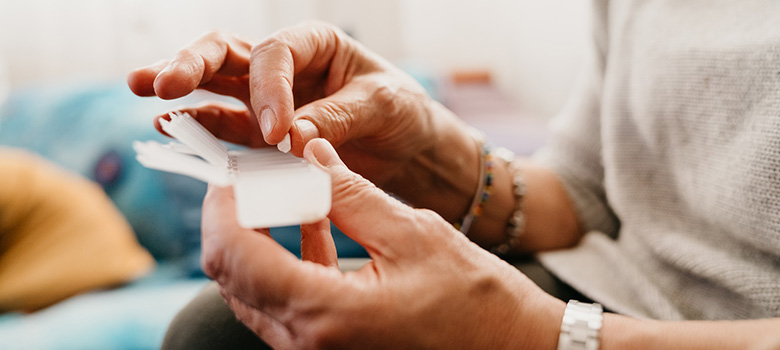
[{"x": 207, "y": 322}]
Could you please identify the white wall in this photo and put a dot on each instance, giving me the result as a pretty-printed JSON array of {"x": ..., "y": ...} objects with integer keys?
[
  {"x": 46, "y": 39},
  {"x": 5, "y": 85},
  {"x": 533, "y": 48}
]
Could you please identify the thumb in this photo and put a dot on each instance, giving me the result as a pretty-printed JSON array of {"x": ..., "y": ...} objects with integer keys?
[
  {"x": 362, "y": 211},
  {"x": 332, "y": 118}
]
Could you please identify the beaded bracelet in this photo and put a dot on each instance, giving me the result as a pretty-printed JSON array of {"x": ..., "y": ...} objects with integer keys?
[
  {"x": 484, "y": 189},
  {"x": 516, "y": 224}
]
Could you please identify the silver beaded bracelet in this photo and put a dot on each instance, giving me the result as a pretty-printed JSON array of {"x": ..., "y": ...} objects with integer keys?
[{"x": 516, "y": 225}]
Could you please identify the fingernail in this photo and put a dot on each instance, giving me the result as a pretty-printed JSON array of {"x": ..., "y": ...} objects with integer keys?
[
  {"x": 325, "y": 154},
  {"x": 267, "y": 122},
  {"x": 307, "y": 129},
  {"x": 285, "y": 145}
]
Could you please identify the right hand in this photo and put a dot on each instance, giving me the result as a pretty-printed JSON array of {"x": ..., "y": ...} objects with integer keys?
[
  {"x": 312, "y": 81},
  {"x": 426, "y": 286}
]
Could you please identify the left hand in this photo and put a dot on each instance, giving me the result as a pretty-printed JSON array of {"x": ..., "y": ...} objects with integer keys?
[
  {"x": 427, "y": 286},
  {"x": 313, "y": 80}
]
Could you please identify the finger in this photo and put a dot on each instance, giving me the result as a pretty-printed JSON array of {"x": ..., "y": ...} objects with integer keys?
[
  {"x": 378, "y": 222},
  {"x": 227, "y": 122},
  {"x": 252, "y": 266},
  {"x": 317, "y": 244},
  {"x": 274, "y": 64},
  {"x": 141, "y": 80},
  {"x": 331, "y": 118},
  {"x": 196, "y": 64},
  {"x": 237, "y": 87},
  {"x": 358, "y": 109},
  {"x": 268, "y": 329}
]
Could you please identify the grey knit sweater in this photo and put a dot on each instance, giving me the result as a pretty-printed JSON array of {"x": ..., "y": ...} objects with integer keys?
[{"x": 670, "y": 150}]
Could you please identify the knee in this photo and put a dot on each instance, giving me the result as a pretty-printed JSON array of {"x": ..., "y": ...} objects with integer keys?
[{"x": 208, "y": 323}]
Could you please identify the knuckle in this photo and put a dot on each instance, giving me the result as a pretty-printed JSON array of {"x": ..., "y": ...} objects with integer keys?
[
  {"x": 217, "y": 35},
  {"x": 395, "y": 99},
  {"x": 211, "y": 267},
  {"x": 427, "y": 215},
  {"x": 384, "y": 95},
  {"x": 304, "y": 33},
  {"x": 336, "y": 121},
  {"x": 351, "y": 186},
  {"x": 435, "y": 230},
  {"x": 272, "y": 42},
  {"x": 414, "y": 223},
  {"x": 212, "y": 262},
  {"x": 187, "y": 53},
  {"x": 389, "y": 99},
  {"x": 192, "y": 59},
  {"x": 431, "y": 219}
]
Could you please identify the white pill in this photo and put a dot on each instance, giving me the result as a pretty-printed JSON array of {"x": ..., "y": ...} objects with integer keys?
[{"x": 285, "y": 145}]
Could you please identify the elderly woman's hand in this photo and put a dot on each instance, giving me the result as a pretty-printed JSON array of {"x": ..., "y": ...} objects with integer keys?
[
  {"x": 427, "y": 286},
  {"x": 315, "y": 81}
]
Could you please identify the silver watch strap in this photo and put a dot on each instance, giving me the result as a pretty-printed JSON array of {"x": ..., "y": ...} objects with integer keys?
[{"x": 580, "y": 326}]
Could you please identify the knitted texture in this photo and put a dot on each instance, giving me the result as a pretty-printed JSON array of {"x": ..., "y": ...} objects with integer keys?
[{"x": 670, "y": 151}]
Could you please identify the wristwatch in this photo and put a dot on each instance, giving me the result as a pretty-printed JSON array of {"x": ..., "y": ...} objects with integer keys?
[{"x": 580, "y": 326}]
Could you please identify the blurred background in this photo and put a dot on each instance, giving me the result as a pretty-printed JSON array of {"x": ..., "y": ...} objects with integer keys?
[
  {"x": 504, "y": 66},
  {"x": 532, "y": 48}
]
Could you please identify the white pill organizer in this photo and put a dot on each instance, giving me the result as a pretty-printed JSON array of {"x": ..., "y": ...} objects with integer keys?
[{"x": 272, "y": 188}]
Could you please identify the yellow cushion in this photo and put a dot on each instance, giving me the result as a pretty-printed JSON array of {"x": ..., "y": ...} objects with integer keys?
[{"x": 59, "y": 235}]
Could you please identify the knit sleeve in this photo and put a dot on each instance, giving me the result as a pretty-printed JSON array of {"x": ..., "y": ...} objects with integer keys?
[{"x": 574, "y": 152}]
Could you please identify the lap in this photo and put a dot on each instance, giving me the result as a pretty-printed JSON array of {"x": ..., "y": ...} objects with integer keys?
[{"x": 207, "y": 322}]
